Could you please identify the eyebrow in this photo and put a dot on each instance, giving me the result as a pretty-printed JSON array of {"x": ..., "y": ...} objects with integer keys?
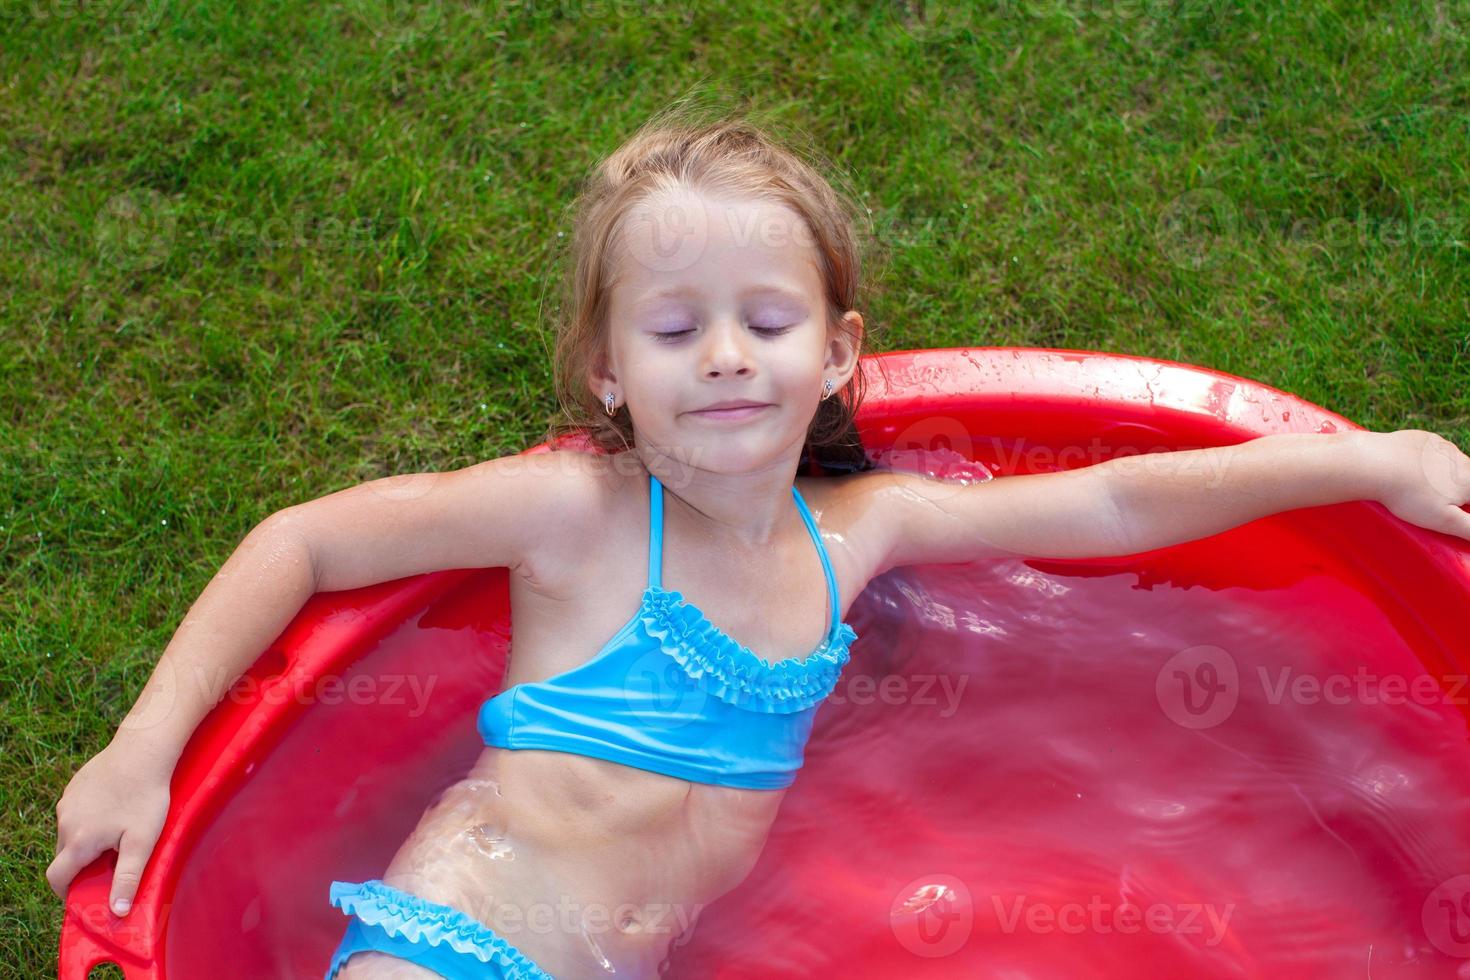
[{"x": 674, "y": 292}]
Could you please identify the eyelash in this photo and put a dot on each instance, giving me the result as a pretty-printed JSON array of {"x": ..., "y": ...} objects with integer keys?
[{"x": 769, "y": 331}]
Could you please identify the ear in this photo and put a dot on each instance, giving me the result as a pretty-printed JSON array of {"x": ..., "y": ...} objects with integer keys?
[
  {"x": 600, "y": 375},
  {"x": 845, "y": 346}
]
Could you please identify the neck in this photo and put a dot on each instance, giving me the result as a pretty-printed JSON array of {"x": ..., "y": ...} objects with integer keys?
[{"x": 746, "y": 509}]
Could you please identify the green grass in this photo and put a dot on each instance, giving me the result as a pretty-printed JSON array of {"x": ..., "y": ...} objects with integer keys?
[{"x": 255, "y": 253}]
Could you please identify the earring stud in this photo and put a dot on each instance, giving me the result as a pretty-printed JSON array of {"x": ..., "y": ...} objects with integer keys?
[
  {"x": 826, "y": 388},
  {"x": 610, "y": 399}
]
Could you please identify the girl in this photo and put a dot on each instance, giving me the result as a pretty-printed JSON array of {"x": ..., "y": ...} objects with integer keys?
[{"x": 634, "y": 764}]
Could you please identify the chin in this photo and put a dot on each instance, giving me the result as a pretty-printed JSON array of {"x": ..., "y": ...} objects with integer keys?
[{"x": 730, "y": 453}]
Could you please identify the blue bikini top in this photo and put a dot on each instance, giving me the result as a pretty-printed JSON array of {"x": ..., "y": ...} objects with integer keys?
[{"x": 673, "y": 693}]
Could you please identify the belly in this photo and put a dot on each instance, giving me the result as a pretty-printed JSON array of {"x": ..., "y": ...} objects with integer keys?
[{"x": 584, "y": 865}]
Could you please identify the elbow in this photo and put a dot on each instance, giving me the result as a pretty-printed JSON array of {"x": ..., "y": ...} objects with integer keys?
[{"x": 293, "y": 527}]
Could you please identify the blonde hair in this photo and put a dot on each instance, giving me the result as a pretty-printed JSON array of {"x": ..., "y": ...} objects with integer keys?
[{"x": 702, "y": 149}]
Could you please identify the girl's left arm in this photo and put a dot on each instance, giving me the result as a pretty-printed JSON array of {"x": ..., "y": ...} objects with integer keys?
[{"x": 1160, "y": 499}]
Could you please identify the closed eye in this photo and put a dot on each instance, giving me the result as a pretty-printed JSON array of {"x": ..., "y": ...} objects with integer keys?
[{"x": 665, "y": 336}]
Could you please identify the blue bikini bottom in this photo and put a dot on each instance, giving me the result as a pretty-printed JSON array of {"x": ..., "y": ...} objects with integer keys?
[{"x": 436, "y": 937}]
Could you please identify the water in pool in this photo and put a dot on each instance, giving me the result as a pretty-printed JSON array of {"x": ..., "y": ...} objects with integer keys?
[{"x": 1049, "y": 769}]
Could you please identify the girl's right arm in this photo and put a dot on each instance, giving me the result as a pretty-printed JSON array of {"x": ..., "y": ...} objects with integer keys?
[{"x": 515, "y": 511}]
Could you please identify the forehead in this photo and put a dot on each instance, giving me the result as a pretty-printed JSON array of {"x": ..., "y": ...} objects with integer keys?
[{"x": 697, "y": 247}]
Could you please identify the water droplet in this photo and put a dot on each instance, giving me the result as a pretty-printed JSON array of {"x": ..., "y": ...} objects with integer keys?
[
  {"x": 597, "y": 952},
  {"x": 491, "y": 842}
]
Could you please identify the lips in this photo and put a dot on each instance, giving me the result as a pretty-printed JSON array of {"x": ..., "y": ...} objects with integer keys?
[
  {"x": 732, "y": 403},
  {"x": 740, "y": 412}
]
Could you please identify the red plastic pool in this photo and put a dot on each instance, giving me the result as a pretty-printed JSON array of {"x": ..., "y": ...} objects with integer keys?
[{"x": 1243, "y": 756}]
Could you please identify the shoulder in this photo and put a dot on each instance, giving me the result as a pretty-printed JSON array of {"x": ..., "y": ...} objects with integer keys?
[
  {"x": 578, "y": 485},
  {"x": 582, "y": 491},
  {"x": 826, "y": 492},
  {"x": 893, "y": 517},
  {"x": 849, "y": 495},
  {"x": 855, "y": 517},
  {"x": 521, "y": 512}
]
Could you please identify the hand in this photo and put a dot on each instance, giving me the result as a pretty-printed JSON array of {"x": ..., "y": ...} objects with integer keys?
[
  {"x": 1425, "y": 478},
  {"x": 117, "y": 800}
]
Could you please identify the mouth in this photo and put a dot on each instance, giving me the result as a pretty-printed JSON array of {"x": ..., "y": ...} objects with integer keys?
[{"x": 733, "y": 414}]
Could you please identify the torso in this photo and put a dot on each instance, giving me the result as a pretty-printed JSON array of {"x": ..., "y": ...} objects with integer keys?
[{"x": 597, "y": 834}]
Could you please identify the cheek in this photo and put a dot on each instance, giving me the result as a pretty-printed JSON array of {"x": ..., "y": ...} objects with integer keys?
[{"x": 800, "y": 372}]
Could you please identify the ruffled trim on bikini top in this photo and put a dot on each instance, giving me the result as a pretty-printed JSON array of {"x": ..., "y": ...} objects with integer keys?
[
  {"x": 416, "y": 919},
  {"x": 732, "y": 672}
]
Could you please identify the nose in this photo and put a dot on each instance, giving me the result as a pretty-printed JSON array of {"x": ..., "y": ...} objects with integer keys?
[{"x": 726, "y": 350}]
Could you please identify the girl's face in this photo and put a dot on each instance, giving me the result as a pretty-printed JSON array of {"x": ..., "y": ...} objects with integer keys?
[{"x": 718, "y": 300}]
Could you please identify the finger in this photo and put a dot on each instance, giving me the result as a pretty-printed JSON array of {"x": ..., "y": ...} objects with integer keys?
[
  {"x": 132, "y": 855},
  {"x": 1450, "y": 520},
  {"x": 73, "y": 858},
  {"x": 1458, "y": 523},
  {"x": 54, "y": 878}
]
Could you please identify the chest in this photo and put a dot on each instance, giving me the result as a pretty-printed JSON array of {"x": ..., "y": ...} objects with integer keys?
[{"x": 776, "y": 603}]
